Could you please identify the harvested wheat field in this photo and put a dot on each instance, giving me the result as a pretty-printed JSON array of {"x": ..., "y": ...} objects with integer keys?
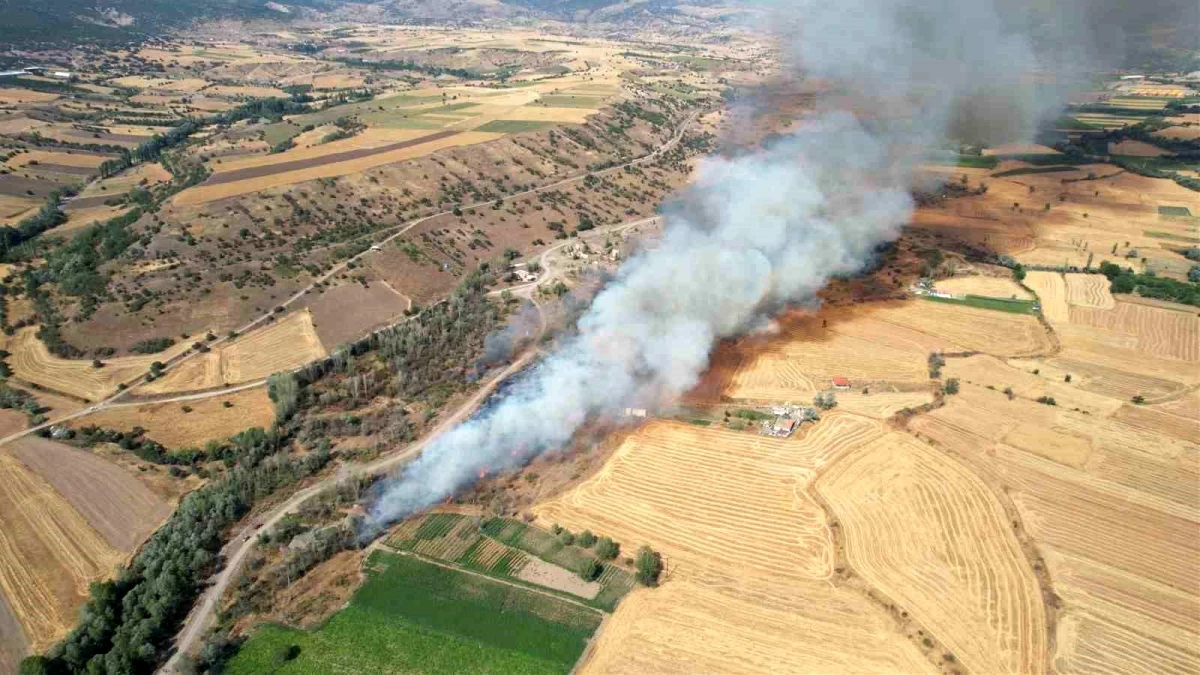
[
  {"x": 749, "y": 551},
  {"x": 1110, "y": 495},
  {"x": 928, "y": 533},
  {"x": 282, "y": 345},
  {"x": 1089, "y": 290},
  {"x": 992, "y": 287},
  {"x": 208, "y": 419},
  {"x": 32, "y": 362},
  {"x": 114, "y": 502},
  {"x": 1051, "y": 290},
  {"x": 50, "y": 554},
  {"x": 319, "y": 167}
]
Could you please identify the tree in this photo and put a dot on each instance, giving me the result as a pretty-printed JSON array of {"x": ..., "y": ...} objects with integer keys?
[
  {"x": 649, "y": 566},
  {"x": 1139, "y": 399},
  {"x": 607, "y": 549},
  {"x": 566, "y": 538},
  {"x": 1018, "y": 272},
  {"x": 825, "y": 400},
  {"x": 951, "y": 386},
  {"x": 591, "y": 570},
  {"x": 1067, "y": 377},
  {"x": 34, "y": 665},
  {"x": 586, "y": 539}
]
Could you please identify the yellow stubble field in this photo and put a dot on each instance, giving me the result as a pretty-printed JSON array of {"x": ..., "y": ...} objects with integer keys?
[
  {"x": 749, "y": 550},
  {"x": 32, "y": 361},
  {"x": 928, "y": 533},
  {"x": 284, "y": 344},
  {"x": 208, "y": 419}
]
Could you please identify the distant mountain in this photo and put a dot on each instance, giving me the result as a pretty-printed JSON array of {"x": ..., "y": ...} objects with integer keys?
[{"x": 63, "y": 21}]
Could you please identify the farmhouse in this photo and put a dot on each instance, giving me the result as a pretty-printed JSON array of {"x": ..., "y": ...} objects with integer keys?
[{"x": 841, "y": 383}]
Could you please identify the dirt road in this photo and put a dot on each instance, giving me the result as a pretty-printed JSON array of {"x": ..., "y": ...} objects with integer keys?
[
  {"x": 237, "y": 550},
  {"x": 336, "y": 269}
]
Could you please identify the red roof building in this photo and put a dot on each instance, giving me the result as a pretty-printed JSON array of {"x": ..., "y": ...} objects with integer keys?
[{"x": 841, "y": 383}]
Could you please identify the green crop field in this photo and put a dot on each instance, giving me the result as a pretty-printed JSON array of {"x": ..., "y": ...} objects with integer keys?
[
  {"x": 569, "y": 101},
  {"x": 414, "y": 616},
  {"x": 1174, "y": 211},
  {"x": 981, "y": 302},
  {"x": 1033, "y": 169},
  {"x": 514, "y": 126}
]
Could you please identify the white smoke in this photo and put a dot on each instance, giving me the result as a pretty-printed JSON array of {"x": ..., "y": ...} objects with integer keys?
[{"x": 753, "y": 233}]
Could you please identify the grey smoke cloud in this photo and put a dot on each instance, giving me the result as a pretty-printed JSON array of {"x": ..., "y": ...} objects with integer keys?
[{"x": 758, "y": 231}]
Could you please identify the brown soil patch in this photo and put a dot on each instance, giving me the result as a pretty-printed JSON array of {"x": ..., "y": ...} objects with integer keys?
[{"x": 349, "y": 311}]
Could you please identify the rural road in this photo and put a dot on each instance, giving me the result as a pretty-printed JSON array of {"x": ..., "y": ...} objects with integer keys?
[
  {"x": 113, "y": 401},
  {"x": 239, "y": 548}
]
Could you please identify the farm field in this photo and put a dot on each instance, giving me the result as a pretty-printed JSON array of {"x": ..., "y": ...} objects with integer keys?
[
  {"x": 928, "y": 534},
  {"x": 208, "y": 418},
  {"x": 317, "y": 168},
  {"x": 749, "y": 551},
  {"x": 112, "y": 500},
  {"x": 281, "y": 345},
  {"x": 880, "y": 342},
  {"x": 414, "y": 616},
  {"x": 32, "y": 361},
  {"x": 51, "y": 553},
  {"x": 992, "y": 287}
]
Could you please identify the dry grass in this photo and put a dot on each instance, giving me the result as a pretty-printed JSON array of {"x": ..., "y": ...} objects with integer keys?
[
  {"x": 50, "y": 554},
  {"x": 928, "y": 533},
  {"x": 202, "y": 194},
  {"x": 209, "y": 419},
  {"x": 285, "y": 344},
  {"x": 32, "y": 362},
  {"x": 1155, "y": 331}
]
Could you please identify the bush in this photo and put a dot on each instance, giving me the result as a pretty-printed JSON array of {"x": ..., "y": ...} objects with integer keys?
[
  {"x": 649, "y": 566},
  {"x": 951, "y": 386},
  {"x": 1139, "y": 399},
  {"x": 607, "y": 549},
  {"x": 566, "y": 538},
  {"x": 591, "y": 570},
  {"x": 1047, "y": 400},
  {"x": 586, "y": 539}
]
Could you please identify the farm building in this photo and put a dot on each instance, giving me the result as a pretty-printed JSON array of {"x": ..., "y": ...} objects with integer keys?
[{"x": 841, "y": 383}]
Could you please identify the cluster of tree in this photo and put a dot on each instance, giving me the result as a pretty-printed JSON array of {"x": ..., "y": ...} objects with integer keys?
[
  {"x": 135, "y": 441},
  {"x": 50, "y": 215},
  {"x": 128, "y": 622},
  {"x": 1125, "y": 280},
  {"x": 150, "y": 150},
  {"x": 825, "y": 400},
  {"x": 151, "y": 345},
  {"x": 432, "y": 71}
]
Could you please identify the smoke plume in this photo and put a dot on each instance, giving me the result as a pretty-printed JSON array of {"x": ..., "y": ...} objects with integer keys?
[{"x": 759, "y": 231}]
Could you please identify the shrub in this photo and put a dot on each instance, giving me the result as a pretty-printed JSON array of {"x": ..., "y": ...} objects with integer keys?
[
  {"x": 591, "y": 570},
  {"x": 951, "y": 386},
  {"x": 1047, "y": 400},
  {"x": 586, "y": 539},
  {"x": 607, "y": 549},
  {"x": 1139, "y": 399},
  {"x": 649, "y": 566},
  {"x": 566, "y": 538}
]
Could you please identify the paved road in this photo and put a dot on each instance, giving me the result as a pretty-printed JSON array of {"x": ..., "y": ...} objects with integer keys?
[{"x": 114, "y": 400}]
